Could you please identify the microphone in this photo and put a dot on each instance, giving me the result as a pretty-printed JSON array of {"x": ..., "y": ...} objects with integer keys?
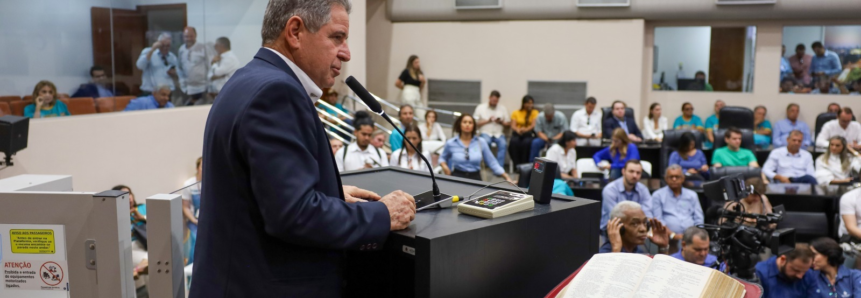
[{"x": 374, "y": 106}]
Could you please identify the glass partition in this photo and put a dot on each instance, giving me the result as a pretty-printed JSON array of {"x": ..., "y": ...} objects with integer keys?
[{"x": 821, "y": 60}]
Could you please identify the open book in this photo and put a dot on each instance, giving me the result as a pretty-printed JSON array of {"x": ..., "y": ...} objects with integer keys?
[{"x": 638, "y": 276}]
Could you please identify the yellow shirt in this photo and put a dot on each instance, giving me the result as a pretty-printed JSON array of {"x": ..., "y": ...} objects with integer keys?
[{"x": 519, "y": 117}]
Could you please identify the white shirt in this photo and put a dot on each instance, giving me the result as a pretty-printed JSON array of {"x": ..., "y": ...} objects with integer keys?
[
  {"x": 193, "y": 64},
  {"x": 485, "y": 112},
  {"x": 413, "y": 162},
  {"x": 833, "y": 169},
  {"x": 311, "y": 88},
  {"x": 852, "y": 133},
  {"x": 850, "y": 203},
  {"x": 435, "y": 134},
  {"x": 566, "y": 162},
  {"x": 357, "y": 158},
  {"x": 224, "y": 67},
  {"x": 588, "y": 124},
  {"x": 781, "y": 162},
  {"x": 649, "y": 131},
  {"x": 188, "y": 192}
]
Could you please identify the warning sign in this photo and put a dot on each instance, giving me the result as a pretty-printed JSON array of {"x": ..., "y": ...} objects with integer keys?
[
  {"x": 32, "y": 241},
  {"x": 25, "y": 275}
]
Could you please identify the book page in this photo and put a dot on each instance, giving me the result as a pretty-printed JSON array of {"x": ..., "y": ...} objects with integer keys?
[
  {"x": 668, "y": 277},
  {"x": 609, "y": 275}
]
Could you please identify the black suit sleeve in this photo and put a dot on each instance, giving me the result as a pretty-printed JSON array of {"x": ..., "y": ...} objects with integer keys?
[
  {"x": 609, "y": 126},
  {"x": 633, "y": 128},
  {"x": 278, "y": 139}
]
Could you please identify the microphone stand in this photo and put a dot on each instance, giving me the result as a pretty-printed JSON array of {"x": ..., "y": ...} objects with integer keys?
[{"x": 435, "y": 189}]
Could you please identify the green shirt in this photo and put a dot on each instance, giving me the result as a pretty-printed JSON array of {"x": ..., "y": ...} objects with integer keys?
[{"x": 729, "y": 158}]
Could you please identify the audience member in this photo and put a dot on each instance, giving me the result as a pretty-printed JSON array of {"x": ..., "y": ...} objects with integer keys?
[
  {"x": 825, "y": 62},
  {"x": 788, "y": 275},
  {"x": 692, "y": 160},
  {"x": 837, "y": 163},
  {"x": 700, "y": 77},
  {"x": 617, "y": 155},
  {"x": 788, "y": 86},
  {"x": 564, "y": 154},
  {"x": 549, "y": 127},
  {"x": 688, "y": 121},
  {"x": 629, "y": 228},
  {"x": 158, "y": 65},
  {"x": 137, "y": 214},
  {"x": 785, "y": 68},
  {"x": 331, "y": 98},
  {"x": 620, "y": 120},
  {"x": 99, "y": 86},
  {"x": 411, "y": 159},
  {"x": 586, "y": 123},
  {"x": 755, "y": 203},
  {"x": 193, "y": 66},
  {"x": 712, "y": 125},
  {"x": 654, "y": 124},
  {"x": 800, "y": 63},
  {"x": 824, "y": 86},
  {"x": 405, "y": 115},
  {"x": 675, "y": 206},
  {"x": 455, "y": 159},
  {"x": 782, "y": 128},
  {"x": 628, "y": 188},
  {"x": 224, "y": 64},
  {"x": 790, "y": 164},
  {"x": 491, "y": 118},
  {"x": 432, "y": 131},
  {"x": 191, "y": 209},
  {"x": 695, "y": 248},
  {"x": 46, "y": 102},
  {"x": 833, "y": 108},
  {"x": 522, "y": 131},
  {"x": 842, "y": 126},
  {"x": 850, "y": 217},
  {"x": 360, "y": 154},
  {"x": 762, "y": 127},
  {"x": 335, "y": 144},
  {"x": 832, "y": 278},
  {"x": 411, "y": 81},
  {"x": 732, "y": 155},
  {"x": 378, "y": 138},
  {"x": 160, "y": 99}
]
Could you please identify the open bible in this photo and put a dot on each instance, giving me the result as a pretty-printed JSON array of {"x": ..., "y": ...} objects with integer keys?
[{"x": 639, "y": 276}]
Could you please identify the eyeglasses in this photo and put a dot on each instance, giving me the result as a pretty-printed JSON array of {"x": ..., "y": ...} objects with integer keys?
[{"x": 164, "y": 59}]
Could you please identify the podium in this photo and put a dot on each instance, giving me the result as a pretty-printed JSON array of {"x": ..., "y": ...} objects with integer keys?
[{"x": 447, "y": 254}]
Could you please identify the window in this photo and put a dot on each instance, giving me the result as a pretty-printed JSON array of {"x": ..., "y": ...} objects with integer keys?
[{"x": 821, "y": 60}]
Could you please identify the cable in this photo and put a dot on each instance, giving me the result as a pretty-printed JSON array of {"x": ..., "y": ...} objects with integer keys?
[
  {"x": 178, "y": 190},
  {"x": 469, "y": 198}
]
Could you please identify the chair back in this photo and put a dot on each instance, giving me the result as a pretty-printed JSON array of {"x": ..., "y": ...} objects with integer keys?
[
  {"x": 105, "y": 104},
  {"x": 120, "y": 102},
  {"x": 17, "y": 107},
  {"x": 821, "y": 120},
  {"x": 747, "y": 172},
  {"x": 81, "y": 105},
  {"x": 670, "y": 143},
  {"x": 740, "y": 117},
  {"x": 587, "y": 165},
  {"x": 10, "y": 98},
  {"x": 5, "y": 109}
]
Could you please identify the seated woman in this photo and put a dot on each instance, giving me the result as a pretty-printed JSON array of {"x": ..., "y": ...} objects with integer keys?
[
  {"x": 431, "y": 130},
  {"x": 620, "y": 151},
  {"x": 411, "y": 159},
  {"x": 654, "y": 125},
  {"x": 755, "y": 203},
  {"x": 836, "y": 165},
  {"x": 762, "y": 127},
  {"x": 832, "y": 278},
  {"x": 463, "y": 153},
  {"x": 47, "y": 102},
  {"x": 137, "y": 214},
  {"x": 564, "y": 154},
  {"x": 522, "y": 131},
  {"x": 691, "y": 159},
  {"x": 688, "y": 120}
]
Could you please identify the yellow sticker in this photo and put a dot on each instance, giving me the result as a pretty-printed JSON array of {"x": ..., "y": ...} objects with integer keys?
[{"x": 32, "y": 241}]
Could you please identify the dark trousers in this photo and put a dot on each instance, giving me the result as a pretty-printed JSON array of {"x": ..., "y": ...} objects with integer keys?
[
  {"x": 803, "y": 179},
  {"x": 468, "y": 175},
  {"x": 520, "y": 147}
]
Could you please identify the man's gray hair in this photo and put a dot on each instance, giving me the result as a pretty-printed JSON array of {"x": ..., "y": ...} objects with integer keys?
[
  {"x": 622, "y": 207},
  {"x": 673, "y": 167},
  {"x": 164, "y": 35},
  {"x": 795, "y": 132},
  {"x": 314, "y": 13},
  {"x": 162, "y": 86},
  {"x": 549, "y": 108},
  {"x": 691, "y": 232}
]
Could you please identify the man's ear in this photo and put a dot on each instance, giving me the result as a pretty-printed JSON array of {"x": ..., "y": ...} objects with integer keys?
[{"x": 293, "y": 30}]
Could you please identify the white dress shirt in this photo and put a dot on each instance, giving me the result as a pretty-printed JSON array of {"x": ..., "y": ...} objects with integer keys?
[
  {"x": 781, "y": 162},
  {"x": 413, "y": 162},
  {"x": 435, "y": 134},
  {"x": 193, "y": 64},
  {"x": 155, "y": 69},
  {"x": 355, "y": 158},
  {"x": 588, "y": 124},
  {"x": 649, "y": 130},
  {"x": 850, "y": 204},
  {"x": 485, "y": 112},
  {"x": 852, "y": 133},
  {"x": 566, "y": 161},
  {"x": 311, "y": 88},
  {"x": 224, "y": 67},
  {"x": 833, "y": 168}
]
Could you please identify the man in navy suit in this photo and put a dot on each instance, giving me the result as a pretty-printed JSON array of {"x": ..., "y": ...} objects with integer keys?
[
  {"x": 274, "y": 218},
  {"x": 620, "y": 120}
]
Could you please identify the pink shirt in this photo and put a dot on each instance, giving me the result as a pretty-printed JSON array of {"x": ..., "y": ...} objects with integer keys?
[{"x": 801, "y": 67}]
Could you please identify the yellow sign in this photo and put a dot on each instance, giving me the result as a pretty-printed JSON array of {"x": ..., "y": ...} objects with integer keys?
[{"x": 32, "y": 241}]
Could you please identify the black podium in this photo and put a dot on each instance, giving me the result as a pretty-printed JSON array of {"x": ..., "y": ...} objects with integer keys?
[{"x": 447, "y": 254}]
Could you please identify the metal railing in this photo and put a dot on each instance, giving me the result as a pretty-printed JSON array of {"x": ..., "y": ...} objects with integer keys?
[{"x": 393, "y": 107}]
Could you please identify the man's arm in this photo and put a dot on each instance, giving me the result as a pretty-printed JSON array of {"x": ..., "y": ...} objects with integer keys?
[
  {"x": 770, "y": 167},
  {"x": 542, "y": 136},
  {"x": 776, "y": 132},
  {"x": 479, "y": 118},
  {"x": 824, "y": 135},
  {"x": 143, "y": 59},
  {"x": 834, "y": 67},
  {"x": 698, "y": 210}
]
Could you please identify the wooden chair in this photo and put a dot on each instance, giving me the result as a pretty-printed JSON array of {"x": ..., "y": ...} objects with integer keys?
[
  {"x": 81, "y": 105},
  {"x": 10, "y": 98},
  {"x": 105, "y": 104},
  {"x": 120, "y": 102}
]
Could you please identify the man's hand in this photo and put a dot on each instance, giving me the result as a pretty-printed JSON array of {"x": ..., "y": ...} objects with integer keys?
[
  {"x": 634, "y": 138},
  {"x": 354, "y": 194},
  {"x": 704, "y": 168},
  {"x": 781, "y": 178},
  {"x": 692, "y": 171},
  {"x": 402, "y": 209},
  {"x": 156, "y": 45},
  {"x": 660, "y": 234},
  {"x": 171, "y": 72},
  {"x": 216, "y": 59},
  {"x": 613, "y": 227}
]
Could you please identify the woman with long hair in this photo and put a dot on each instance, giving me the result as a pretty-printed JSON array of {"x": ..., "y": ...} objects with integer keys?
[
  {"x": 836, "y": 165},
  {"x": 565, "y": 155},
  {"x": 463, "y": 153},
  {"x": 617, "y": 154},
  {"x": 411, "y": 159},
  {"x": 46, "y": 102},
  {"x": 431, "y": 130},
  {"x": 522, "y": 133},
  {"x": 654, "y": 124},
  {"x": 411, "y": 82},
  {"x": 832, "y": 278},
  {"x": 691, "y": 159}
]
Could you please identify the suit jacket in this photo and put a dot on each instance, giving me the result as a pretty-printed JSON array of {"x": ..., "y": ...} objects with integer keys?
[
  {"x": 611, "y": 124},
  {"x": 273, "y": 221}
]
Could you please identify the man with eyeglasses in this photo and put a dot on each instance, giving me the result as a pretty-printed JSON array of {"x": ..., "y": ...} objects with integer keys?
[
  {"x": 158, "y": 65},
  {"x": 628, "y": 229},
  {"x": 99, "y": 85},
  {"x": 677, "y": 207}
]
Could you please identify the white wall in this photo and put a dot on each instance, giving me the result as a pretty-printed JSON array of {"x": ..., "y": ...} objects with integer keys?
[
  {"x": 793, "y": 35},
  {"x": 689, "y": 46}
]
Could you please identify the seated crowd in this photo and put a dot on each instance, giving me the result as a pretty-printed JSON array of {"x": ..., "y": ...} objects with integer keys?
[{"x": 819, "y": 73}]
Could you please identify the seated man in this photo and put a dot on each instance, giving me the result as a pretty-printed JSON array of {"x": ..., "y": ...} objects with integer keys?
[
  {"x": 782, "y": 128},
  {"x": 700, "y": 77},
  {"x": 732, "y": 155},
  {"x": 629, "y": 228},
  {"x": 98, "y": 85},
  {"x": 628, "y": 188},
  {"x": 586, "y": 123},
  {"x": 824, "y": 85},
  {"x": 160, "y": 99},
  {"x": 405, "y": 115},
  {"x": 677, "y": 207},
  {"x": 790, "y": 164},
  {"x": 833, "y": 108},
  {"x": 361, "y": 154},
  {"x": 549, "y": 127},
  {"x": 695, "y": 248},
  {"x": 788, "y": 276},
  {"x": 620, "y": 120},
  {"x": 842, "y": 126}
]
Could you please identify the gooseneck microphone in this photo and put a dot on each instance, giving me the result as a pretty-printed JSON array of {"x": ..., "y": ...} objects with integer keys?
[{"x": 374, "y": 105}]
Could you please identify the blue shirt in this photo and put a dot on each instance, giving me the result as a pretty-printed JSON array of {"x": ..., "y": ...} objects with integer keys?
[
  {"x": 846, "y": 284},
  {"x": 155, "y": 69},
  {"x": 142, "y": 211},
  {"x": 781, "y": 162},
  {"x": 763, "y": 139},
  {"x": 145, "y": 103},
  {"x": 623, "y": 123},
  {"x": 711, "y": 122},
  {"x": 775, "y": 286},
  {"x": 828, "y": 63},
  {"x": 607, "y": 247},
  {"x": 103, "y": 92},
  {"x": 677, "y": 213},
  {"x": 616, "y": 162},
  {"x": 615, "y": 192},
  {"x": 695, "y": 162},
  {"x": 710, "y": 259},
  {"x": 396, "y": 140},
  {"x": 782, "y": 128},
  {"x": 58, "y": 110},
  {"x": 785, "y": 69},
  {"x": 694, "y": 123},
  {"x": 454, "y": 154}
]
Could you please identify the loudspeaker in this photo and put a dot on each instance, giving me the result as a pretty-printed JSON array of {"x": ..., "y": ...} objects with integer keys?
[
  {"x": 541, "y": 183},
  {"x": 13, "y": 135}
]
